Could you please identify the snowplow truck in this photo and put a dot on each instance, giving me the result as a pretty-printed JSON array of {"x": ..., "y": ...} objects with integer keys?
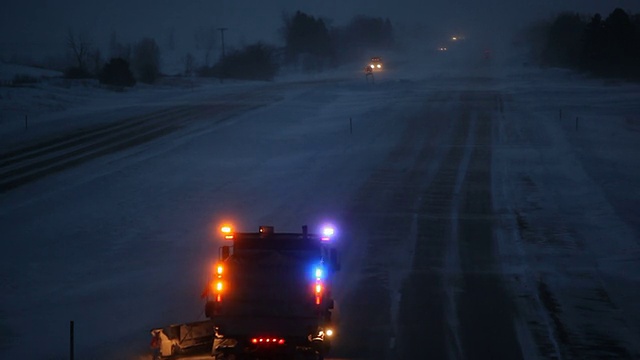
[
  {"x": 270, "y": 295},
  {"x": 269, "y": 298}
]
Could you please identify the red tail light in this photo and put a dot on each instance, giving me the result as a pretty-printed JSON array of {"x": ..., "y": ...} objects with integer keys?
[
  {"x": 268, "y": 341},
  {"x": 318, "y": 290}
]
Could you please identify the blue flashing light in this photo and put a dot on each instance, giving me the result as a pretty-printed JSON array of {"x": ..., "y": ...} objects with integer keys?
[{"x": 318, "y": 273}]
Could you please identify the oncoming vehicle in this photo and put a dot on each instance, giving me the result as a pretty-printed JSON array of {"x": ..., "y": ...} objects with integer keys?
[
  {"x": 270, "y": 297},
  {"x": 376, "y": 63}
]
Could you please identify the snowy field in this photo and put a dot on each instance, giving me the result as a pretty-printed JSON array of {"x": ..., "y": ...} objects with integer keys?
[
  {"x": 122, "y": 243},
  {"x": 568, "y": 163}
]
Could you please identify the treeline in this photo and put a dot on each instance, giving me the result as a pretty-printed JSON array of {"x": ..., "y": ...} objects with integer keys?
[
  {"x": 309, "y": 44},
  {"x": 605, "y": 47},
  {"x": 313, "y": 45},
  {"x": 126, "y": 65}
]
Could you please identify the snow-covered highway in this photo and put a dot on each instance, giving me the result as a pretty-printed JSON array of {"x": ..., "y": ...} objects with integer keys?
[{"x": 484, "y": 213}]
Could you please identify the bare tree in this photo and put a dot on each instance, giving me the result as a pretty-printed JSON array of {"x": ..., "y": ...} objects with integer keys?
[{"x": 80, "y": 48}]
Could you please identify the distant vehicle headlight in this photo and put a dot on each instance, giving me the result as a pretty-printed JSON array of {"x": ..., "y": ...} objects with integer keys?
[{"x": 379, "y": 66}]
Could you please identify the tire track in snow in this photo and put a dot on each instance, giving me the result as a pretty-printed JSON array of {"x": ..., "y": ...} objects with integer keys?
[
  {"x": 562, "y": 294},
  {"x": 381, "y": 222},
  {"x": 485, "y": 307},
  {"x": 425, "y": 327},
  {"x": 21, "y": 166},
  {"x": 454, "y": 305}
]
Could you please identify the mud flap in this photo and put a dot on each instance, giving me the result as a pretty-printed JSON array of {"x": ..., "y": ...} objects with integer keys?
[{"x": 223, "y": 346}]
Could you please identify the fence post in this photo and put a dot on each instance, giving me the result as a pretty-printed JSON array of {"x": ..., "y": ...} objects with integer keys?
[{"x": 71, "y": 340}]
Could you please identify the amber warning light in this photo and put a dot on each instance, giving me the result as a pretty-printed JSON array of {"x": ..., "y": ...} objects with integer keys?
[{"x": 226, "y": 230}]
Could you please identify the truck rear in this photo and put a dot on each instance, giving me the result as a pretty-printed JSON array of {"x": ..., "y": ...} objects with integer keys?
[{"x": 270, "y": 295}]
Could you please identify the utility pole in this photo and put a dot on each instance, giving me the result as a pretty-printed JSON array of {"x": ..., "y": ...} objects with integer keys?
[
  {"x": 222, "y": 75},
  {"x": 222, "y": 36}
]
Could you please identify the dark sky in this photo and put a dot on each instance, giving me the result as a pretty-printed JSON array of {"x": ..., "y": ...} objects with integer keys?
[{"x": 35, "y": 27}]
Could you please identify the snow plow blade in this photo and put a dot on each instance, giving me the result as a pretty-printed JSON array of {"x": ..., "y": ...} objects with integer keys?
[{"x": 183, "y": 340}]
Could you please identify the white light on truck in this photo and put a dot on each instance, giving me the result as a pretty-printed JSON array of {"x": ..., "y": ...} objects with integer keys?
[{"x": 328, "y": 231}]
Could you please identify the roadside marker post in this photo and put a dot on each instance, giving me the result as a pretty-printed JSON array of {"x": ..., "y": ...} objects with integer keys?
[{"x": 71, "y": 340}]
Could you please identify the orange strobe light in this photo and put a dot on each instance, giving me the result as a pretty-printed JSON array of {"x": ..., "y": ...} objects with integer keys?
[{"x": 227, "y": 231}]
